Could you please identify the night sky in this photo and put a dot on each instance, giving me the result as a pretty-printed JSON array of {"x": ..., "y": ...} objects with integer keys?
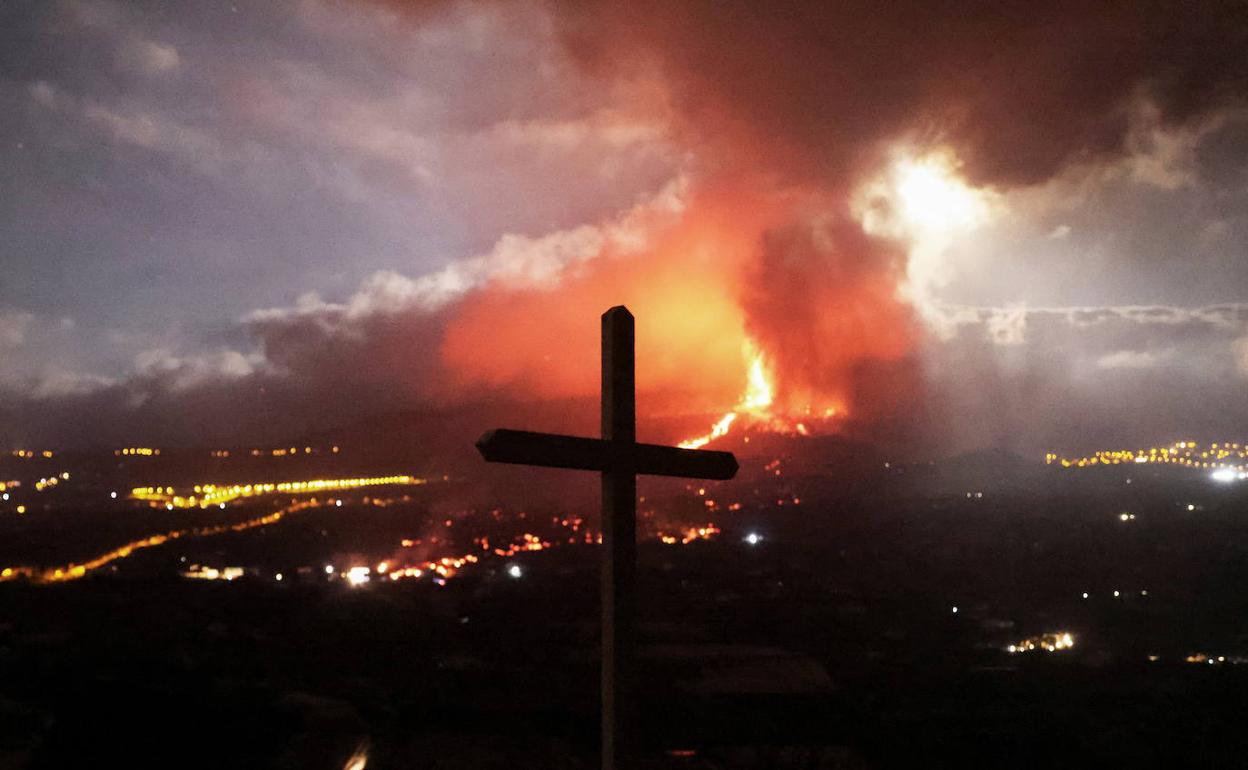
[{"x": 997, "y": 224}]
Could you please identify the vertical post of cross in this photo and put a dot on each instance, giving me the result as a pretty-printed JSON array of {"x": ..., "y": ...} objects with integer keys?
[{"x": 619, "y": 541}]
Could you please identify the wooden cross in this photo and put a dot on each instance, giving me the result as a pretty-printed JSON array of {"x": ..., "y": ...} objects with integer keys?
[{"x": 620, "y": 458}]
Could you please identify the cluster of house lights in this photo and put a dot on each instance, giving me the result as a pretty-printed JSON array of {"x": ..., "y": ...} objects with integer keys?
[
  {"x": 205, "y": 495},
  {"x": 1229, "y": 459},
  {"x": 1052, "y": 642}
]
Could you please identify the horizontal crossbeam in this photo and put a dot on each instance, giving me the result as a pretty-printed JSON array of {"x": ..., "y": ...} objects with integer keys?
[{"x": 594, "y": 454}]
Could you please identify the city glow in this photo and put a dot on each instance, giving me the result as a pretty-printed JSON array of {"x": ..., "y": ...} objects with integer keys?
[
  {"x": 205, "y": 495},
  {"x": 49, "y": 482},
  {"x": 1225, "y": 461},
  {"x": 1213, "y": 659},
  {"x": 527, "y": 542},
  {"x": 28, "y": 454},
  {"x": 197, "y": 572},
  {"x": 284, "y": 451},
  {"x": 1052, "y": 642}
]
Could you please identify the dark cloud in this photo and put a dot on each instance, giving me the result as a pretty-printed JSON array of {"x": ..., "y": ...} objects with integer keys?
[
  {"x": 163, "y": 171},
  {"x": 1020, "y": 90}
]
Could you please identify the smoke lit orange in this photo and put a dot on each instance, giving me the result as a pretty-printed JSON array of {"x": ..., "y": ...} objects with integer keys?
[{"x": 760, "y": 303}]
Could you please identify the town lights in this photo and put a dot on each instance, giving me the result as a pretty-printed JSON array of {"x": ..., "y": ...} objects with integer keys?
[
  {"x": 1226, "y": 462},
  {"x": 205, "y": 495},
  {"x": 1050, "y": 642}
]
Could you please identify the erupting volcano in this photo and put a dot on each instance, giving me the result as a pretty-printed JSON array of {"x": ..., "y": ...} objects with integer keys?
[
  {"x": 754, "y": 410},
  {"x": 872, "y": 211},
  {"x": 796, "y": 305}
]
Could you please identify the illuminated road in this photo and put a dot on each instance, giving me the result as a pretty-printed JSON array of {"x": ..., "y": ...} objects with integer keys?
[
  {"x": 74, "y": 571},
  {"x": 205, "y": 495},
  {"x": 441, "y": 568}
]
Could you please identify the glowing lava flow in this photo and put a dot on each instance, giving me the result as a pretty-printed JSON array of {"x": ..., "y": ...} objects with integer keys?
[
  {"x": 690, "y": 534},
  {"x": 717, "y": 430},
  {"x": 755, "y": 407}
]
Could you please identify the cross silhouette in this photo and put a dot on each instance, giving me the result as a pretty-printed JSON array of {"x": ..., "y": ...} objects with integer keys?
[{"x": 620, "y": 458}]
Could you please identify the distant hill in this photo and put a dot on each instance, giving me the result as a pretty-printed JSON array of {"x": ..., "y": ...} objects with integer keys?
[{"x": 986, "y": 470}]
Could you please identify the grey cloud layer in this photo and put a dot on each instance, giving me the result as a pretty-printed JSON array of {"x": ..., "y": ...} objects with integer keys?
[
  {"x": 1084, "y": 377},
  {"x": 1025, "y": 378},
  {"x": 168, "y": 168}
]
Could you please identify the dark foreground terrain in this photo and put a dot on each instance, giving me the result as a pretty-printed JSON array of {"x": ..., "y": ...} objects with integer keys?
[
  {"x": 747, "y": 673},
  {"x": 868, "y": 629}
]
